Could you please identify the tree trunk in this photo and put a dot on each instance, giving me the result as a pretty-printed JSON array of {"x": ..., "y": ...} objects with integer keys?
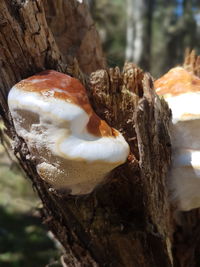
[
  {"x": 138, "y": 34},
  {"x": 127, "y": 221},
  {"x": 75, "y": 33}
]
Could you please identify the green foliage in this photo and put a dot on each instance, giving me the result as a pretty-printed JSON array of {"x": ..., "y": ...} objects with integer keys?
[{"x": 23, "y": 242}]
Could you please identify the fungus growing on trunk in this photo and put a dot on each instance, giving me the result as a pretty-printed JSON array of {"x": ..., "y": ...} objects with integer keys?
[
  {"x": 181, "y": 89},
  {"x": 74, "y": 149}
]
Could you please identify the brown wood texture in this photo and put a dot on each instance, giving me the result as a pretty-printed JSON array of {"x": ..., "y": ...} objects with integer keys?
[
  {"x": 75, "y": 33},
  {"x": 127, "y": 221}
]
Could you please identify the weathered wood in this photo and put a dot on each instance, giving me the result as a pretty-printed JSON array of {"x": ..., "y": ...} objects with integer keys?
[{"x": 127, "y": 101}]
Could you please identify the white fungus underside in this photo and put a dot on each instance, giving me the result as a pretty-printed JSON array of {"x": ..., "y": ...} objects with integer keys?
[{"x": 187, "y": 103}]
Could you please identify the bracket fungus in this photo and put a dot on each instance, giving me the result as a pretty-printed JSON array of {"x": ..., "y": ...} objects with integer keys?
[
  {"x": 74, "y": 149},
  {"x": 181, "y": 89}
]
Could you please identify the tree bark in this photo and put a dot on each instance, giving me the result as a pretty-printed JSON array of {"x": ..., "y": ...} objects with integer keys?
[
  {"x": 75, "y": 33},
  {"x": 127, "y": 221}
]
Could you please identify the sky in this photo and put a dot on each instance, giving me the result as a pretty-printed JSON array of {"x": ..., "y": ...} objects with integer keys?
[{"x": 179, "y": 9}]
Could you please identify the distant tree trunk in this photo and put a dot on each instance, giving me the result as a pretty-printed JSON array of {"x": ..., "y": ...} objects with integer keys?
[
  {"x": 138, "y": 34},
  {"x": 128, "y": 221}
]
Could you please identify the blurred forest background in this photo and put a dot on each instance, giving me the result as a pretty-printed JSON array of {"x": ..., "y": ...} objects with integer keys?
[{"x": 153, "y": 34}]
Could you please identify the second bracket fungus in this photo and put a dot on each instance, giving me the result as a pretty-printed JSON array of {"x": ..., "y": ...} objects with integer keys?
[{"x": 181, "y": 89}]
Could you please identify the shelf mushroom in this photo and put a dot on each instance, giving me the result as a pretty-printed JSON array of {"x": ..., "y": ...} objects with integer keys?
[
  {"x": 181, "y": 89},
  {"x": 74, "y": 149}
]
